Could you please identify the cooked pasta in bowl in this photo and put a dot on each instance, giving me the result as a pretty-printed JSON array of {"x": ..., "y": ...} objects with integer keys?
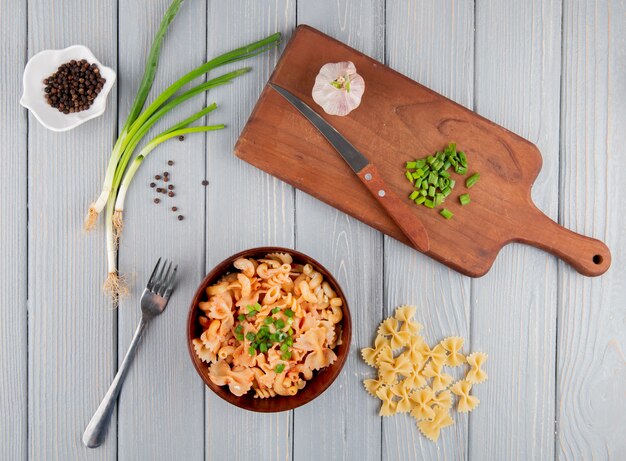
[{"x": 269, "y": 329}]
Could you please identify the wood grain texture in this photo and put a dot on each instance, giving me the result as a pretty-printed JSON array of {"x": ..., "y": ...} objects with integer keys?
[
  {"x": 162, "y": 385},
  {"x": 401, "y": 120},
  {"x": 441, "y": 58},
  {"x": 245, "y": 208},
  {"x": 591, "y": 348},
  {"x": 71, "y": 324},
  {"x": 513, "y": 307},
  {"x": 353, "y": 252},
  {"x": 13, "y": 228}
]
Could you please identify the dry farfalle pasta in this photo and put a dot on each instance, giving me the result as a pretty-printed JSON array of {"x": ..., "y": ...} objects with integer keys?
[{"x": 411, "y": 377}]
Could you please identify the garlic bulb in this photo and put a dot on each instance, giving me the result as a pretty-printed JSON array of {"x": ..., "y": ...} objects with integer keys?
[{"x": 338, "y": 88}]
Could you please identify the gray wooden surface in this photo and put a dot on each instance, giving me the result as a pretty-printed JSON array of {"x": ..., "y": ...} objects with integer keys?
[{"x": 553, "y": 71}]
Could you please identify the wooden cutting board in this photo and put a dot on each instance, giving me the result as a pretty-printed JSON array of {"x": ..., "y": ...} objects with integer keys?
[{"x": 401, "y": 120}]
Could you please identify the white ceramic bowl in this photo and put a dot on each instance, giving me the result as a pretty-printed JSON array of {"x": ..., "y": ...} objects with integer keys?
[{"x": 44, "y": 64}]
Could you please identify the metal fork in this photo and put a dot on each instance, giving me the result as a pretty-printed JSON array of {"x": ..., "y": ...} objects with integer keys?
[{"x": 153, "y": 302}]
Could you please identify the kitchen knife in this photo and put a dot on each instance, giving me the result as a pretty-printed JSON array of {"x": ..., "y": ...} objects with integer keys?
[{"x": 401, "y": 213}]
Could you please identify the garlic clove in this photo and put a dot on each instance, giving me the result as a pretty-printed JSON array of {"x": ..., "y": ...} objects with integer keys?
[{"x": 338, "y": 88}]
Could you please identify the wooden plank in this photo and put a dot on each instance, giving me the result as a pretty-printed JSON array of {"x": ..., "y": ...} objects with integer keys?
[
  {"x": 514, "y": 307},
  {"x": 71, "y": 327},
  {"x": 591, "y": 335},
  {"x": 13, "y": 228},
  {"x": 433, "y": 43},
  {"x": 351, "y": 427},
  {"x": 245, "y": 208},
  {"x": 161, "y": 409}
]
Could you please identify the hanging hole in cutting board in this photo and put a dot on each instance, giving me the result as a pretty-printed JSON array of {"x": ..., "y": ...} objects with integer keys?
[{"x": 598, "y": 259}]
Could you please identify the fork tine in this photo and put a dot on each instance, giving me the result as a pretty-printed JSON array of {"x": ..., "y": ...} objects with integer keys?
[
  {"x": 159, "y": 279},
  {"x": 170, "y": 283},
  {"x": 151, "y": 280},
  {"x": 164, "y": 280}
]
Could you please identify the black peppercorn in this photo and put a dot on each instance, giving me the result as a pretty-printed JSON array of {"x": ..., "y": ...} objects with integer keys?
[{"x": 68, "y": 82}]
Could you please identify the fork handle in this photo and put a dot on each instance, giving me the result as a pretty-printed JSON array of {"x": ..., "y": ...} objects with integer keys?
[{"x": 97, "y": 428}]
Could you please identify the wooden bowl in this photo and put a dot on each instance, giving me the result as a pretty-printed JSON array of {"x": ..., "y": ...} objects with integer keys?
[{"x": 321, "y": 379}]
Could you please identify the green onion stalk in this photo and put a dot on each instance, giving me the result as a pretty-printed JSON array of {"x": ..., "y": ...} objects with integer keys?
[{"x": 119, "y": 174}]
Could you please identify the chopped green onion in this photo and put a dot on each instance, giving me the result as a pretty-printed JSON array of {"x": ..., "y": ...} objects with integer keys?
[
  {"x": 268, "y": 320},
  {"x": 250, "y": 309},
  {"x": 257, "y": 306},
  {"x": 460, "y": 169},
  {"x": 276, "y": 310},
  {"x": 473, "y": 179},
  {"x": 239, "y": 336},
  {"x": 289, "y": 313},
  {"x": 289, "y": 342},
  {"x": 431, "y": 191},
  {"x": 464, "y": 199},
  {"x": 290, "y": 332},
  {"x": 280, "y": 323},
  {"x": 413, "y": 195},
  {"x": 239, "y": 328},
  {"x": 279, "y": 368},
  {"x": 263, "y": 347},
  {"x": 251, "y": 350},
  {"x": 284, "y": 348},
  {"x": 429, "y": 203},
  {"x": 250, "y": 336},
  {"x": 409, "y": 176},
  {"x": 420, "y": 163},
  {"x": 446, "y": 213},
  {"x": 419, "y": 200},
  {"x": 411, "y": 165},
  {"x": 241, "y": 317}
]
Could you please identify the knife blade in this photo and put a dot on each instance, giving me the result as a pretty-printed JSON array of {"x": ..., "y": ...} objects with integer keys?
[{"x": 399, "y": 211}]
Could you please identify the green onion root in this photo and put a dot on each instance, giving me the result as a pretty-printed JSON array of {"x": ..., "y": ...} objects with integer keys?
[{"x": 114, "y": 285}]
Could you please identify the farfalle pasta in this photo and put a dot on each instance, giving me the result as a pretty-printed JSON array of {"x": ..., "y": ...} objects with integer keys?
[
  {"x": 267, "y": 326},
  {"x": 411, "y": 376}
]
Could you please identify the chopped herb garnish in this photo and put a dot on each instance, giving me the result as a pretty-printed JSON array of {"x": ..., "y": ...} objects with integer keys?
[
  {"x": 289, "y": 342},
  {"x": 432, "y": 179},
  {"x": 276, "y": 310},
  {"x": 268, "y": 320},
  {"x": 251, "y": 350},
  {"x": 279, "y": 368},
  {"x": 446, "y": 213},
  {"x": 286, "y": 355},
  {"x": 238, "y": 329},
  {"x": 263, "y": 347},
  {"x": 239, "y": 336},
  {"x": 250, "y": 336},
  {"x": 473, "y": 179},
  {"x": 241, "y": 317},
  {"x": 279, "y": 323},
  {"x": 284, "y": 348},
  {"x": 289, "y": 313}
]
